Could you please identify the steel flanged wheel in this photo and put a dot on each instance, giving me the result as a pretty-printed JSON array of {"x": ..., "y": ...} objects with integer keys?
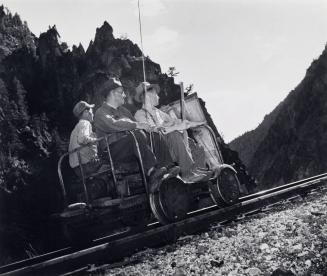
[
  {"x": 172, "y": 202},
  {"x": 225, "y": 189}
]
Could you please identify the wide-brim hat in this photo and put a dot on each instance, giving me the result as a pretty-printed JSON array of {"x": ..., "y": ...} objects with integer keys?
[
  {"x": 110, "y": 84},
  {"x": 139, "y": 90},
  {"x": 80, "y": 107}
]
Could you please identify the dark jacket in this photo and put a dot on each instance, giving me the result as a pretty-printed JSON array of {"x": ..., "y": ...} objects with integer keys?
[{"x": 108, "y": 120}]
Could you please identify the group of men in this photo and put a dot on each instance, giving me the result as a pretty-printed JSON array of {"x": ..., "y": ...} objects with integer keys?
[{"x": 172, "y": 155}]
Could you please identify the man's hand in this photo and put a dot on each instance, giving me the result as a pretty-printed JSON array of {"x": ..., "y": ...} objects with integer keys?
[
  {"x": 143, "y": 126},
  {"x": 195, "y": 124},
  {"x": 159, "y": 128}
]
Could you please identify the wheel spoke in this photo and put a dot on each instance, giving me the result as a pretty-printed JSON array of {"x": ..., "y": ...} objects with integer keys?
[{"x": 171, "y": 203}]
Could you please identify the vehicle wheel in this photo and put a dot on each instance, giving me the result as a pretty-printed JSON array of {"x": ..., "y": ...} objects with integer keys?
[
  {"x": 172, "y": 202},
  {"x": 225, "y": 189}
]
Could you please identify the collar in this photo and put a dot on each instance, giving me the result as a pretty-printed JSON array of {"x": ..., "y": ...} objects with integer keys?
[
  {"x": 152, "y": 109},
  {"x": 107, "y": 104},
  {"x": 84, "y": 120}
]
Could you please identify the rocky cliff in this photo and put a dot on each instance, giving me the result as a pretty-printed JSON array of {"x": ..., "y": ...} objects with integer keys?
[
  {"x": 40, "y": 81},
  {"x": 291, "y": 142}
]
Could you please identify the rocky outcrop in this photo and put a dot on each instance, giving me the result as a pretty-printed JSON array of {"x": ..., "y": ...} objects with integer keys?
[
  {"x": 291, "y": 143},
  {"x": 40, "y": 81},
  {"x": 14, "y": 34}
]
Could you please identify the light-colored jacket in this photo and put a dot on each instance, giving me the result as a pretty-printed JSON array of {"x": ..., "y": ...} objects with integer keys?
[
  {"x": 154, "y": 118},
  {"x": 81, "y": 135}
]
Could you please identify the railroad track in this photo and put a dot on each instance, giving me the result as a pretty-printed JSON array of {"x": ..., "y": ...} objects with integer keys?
[{"x": 111, "y": 248}]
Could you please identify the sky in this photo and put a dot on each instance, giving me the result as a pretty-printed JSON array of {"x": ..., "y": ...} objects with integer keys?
[{"x": 242, "y": 56}]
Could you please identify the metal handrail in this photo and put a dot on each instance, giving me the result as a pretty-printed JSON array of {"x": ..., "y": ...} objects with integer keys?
[
  {"x": 214, "y": 137},
  {"x": 212, "y": 133},
  {"x": 112, "y": 167},
  {"x": 111, "y": 164},
  {"x": 141, "y": 162},
  {"x": 61, "y": 180},
  {"x": 77, "y": 150},
  {"x": 83, "y": 177}
]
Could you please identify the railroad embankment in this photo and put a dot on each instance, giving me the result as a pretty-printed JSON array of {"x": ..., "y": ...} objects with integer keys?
[{"x": 289, "y": 239}]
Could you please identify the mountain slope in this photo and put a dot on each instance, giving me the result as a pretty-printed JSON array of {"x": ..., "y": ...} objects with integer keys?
[
  {"x": 291, "y": 143},
  {"x": 247, "y": 144}
]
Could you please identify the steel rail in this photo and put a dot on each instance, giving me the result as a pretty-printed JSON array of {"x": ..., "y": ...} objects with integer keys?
[
  {"x": 282, "y": 187},
  {"x": 60, "y": 252},
  {"x": 120, "y": 245}
]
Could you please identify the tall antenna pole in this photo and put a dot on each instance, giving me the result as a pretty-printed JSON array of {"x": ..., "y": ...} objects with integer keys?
[
  {"x": 183, "y": 113},
  {"x": 143, "y": 64},
  {"x": 140, "y": 25}
]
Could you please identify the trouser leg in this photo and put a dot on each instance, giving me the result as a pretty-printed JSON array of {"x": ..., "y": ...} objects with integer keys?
[
  {"x": 179, "y": 151},
  {"x": 125, "y": 149},
  {"x": 161, "y": 150},
  {"x": 94, "y": 187},
  {"x": 88, "y": 169}
]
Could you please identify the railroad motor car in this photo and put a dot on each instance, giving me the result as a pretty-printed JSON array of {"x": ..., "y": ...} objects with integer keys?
[{"x": 118, "y": 194}]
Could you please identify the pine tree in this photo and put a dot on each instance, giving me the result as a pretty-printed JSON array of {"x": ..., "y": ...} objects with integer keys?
[
  {"x": 5, "y": 121},
  {"x": 21, "y": 101},
  {"x": 16, "y": 19},
  {"x": 4, "y": 102}
]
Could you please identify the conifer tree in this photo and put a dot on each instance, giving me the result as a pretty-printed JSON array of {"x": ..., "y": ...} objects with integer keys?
[{"x": 21, "y": 101}]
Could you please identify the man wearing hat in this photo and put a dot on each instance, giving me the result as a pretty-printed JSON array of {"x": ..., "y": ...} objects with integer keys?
[
  {"x": 168, "y": 128},
  {"x": 112, "y": 118},
  {"x": 82, "y": 135}
]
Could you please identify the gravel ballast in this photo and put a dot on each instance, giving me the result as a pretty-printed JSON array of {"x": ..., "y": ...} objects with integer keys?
[{"x": 291, "y": 238}]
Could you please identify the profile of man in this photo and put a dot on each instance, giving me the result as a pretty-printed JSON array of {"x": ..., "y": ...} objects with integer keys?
[
  {"x": 112, "y": 118},
  {"x": 81, "y": 136},
  {"x": 169, "y": 128}
]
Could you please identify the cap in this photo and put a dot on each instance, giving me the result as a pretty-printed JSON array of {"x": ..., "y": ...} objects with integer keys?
[
  {"x": 110, "y": 84},
  {"x": 149, "y": 88},
  {"x": 80, "y": 107}
]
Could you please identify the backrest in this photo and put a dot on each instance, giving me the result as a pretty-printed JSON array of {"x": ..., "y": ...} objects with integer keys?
[{"x": 203, "y": 135}]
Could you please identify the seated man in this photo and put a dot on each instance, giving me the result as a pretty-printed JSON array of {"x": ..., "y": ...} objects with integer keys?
[
  {"x": 170, "y": 128},
  {"x": 111, "y": 118},
  {"x": 82, "y": 135}
]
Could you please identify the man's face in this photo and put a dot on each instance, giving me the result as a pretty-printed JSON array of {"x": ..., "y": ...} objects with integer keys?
[
  {"x": 88, "y": 114},
  {"x": 153, "y": 97},
  {"x": 119, "y": 96}
]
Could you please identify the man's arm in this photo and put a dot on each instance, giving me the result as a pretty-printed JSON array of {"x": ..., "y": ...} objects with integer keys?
[
  {"x": 107, "y": 123},
  {"x": 168, "y": 121},
  {"x": 140, "y": 116},
  {"x": 85, "y": 134}
]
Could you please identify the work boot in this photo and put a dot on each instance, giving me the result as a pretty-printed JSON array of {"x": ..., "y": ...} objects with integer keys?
[
  {"x": 173, "y": 171},
  {"x": 192, "y": 177},
  {"x": 208, "y": 173},
  {"x": 155, "y": 179}
]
